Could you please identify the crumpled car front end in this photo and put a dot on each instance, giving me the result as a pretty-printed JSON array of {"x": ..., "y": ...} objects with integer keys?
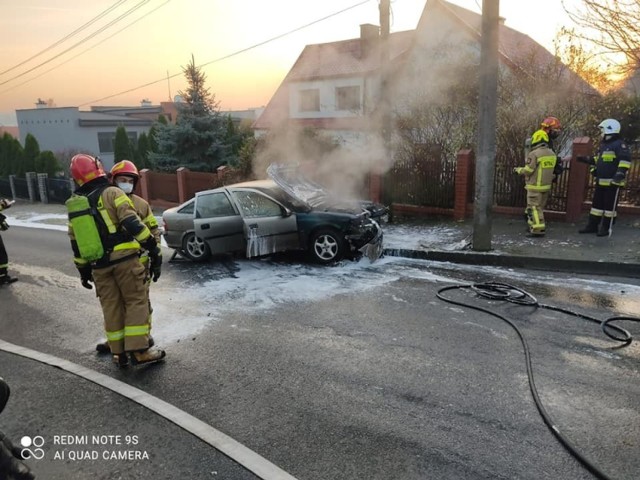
[{"x": 365, "y": 236}]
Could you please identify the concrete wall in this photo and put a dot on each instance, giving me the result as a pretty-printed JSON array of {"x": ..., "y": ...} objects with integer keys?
[{"x": 59, "y": 129}]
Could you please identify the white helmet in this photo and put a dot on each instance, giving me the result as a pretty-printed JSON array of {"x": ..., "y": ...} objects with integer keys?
[{"x": 609, "y": 126}]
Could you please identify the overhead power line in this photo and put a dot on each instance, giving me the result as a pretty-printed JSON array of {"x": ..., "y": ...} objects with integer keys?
[
  {"x": 277, "y": 37},
  {"x": 85, "y": 39},
  {"x": 66, "y": 37},
  {"x": 86, "y": 50}
]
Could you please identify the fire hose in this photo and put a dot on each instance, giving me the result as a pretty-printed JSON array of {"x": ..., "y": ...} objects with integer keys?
[{"x": 512, "y": 294}]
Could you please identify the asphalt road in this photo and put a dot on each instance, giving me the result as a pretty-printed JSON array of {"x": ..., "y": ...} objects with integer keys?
[{"x": 382, "y": 383}]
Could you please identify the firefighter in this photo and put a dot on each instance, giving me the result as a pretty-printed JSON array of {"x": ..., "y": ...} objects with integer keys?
[
  {"x": 5, "y": 278},
  {"x": 107, "y": 238},
  {"x": 538, "y": 174},
  {"x": 125, "y": 176},
  {"x": 552, "y": 128},
  {"x": 609, "y": 167}
]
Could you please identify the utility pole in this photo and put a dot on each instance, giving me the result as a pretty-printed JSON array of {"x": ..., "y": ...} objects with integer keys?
[
  {"x": 486, "y": 159},
  {"x": 385, "y": 104}
]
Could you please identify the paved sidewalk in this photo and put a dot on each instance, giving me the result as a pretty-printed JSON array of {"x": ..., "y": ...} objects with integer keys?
[{"x": 562, "y": 249}]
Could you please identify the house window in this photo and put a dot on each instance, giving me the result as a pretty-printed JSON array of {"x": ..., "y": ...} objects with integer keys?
[
  {"x": 310, "y": 100},
  {"x": 348, "y": 98},
  {"x": 106, "y": 140}
]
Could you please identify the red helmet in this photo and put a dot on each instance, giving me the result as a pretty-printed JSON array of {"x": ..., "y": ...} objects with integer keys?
[
  {"x": 85, "y": 168},
  {"x": 552, "y": 123},
  {"x": 125, "y": 167}
]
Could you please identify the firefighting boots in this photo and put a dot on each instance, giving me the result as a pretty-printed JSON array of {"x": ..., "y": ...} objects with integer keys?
[
  {"x": 5, "y": 279},
  {"x": 149, "y": 355},
  {"x": 103, "y": 347},
  {"x": 592, "y": 225}
]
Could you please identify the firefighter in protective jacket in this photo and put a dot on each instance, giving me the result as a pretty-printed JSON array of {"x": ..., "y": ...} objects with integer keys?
[
  {"x": 538, "y": 173},
  {"x": 5, "y": 278},
  {"x": 113, "y": 265},
  {"x": 125, "y": 176},
  {"x": 609, "y": 168}
]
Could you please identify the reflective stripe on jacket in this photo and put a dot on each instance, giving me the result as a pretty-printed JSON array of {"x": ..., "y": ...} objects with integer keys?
[
  {"x": 116, "y": 208},
  {"x": 613, "y": 158},
  {"x": 538, "y": 169}
]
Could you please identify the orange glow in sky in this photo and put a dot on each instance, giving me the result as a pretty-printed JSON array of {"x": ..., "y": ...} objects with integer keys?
[{"x": 167, "y": 32}]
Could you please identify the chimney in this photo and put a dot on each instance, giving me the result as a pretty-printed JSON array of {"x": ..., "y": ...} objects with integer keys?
[
  {"x": 369, "y": 35},
  {"x": 41, "y": 103},
  {"x": 145, "y": 102}
]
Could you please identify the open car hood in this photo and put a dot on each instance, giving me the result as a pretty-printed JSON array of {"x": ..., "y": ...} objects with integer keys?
[{"x": 315, "y": 196}]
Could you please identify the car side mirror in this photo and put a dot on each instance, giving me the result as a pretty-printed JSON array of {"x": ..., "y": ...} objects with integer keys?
[
  {"x": 286, "y": 212},
  {"x": 4, "y": 394}
]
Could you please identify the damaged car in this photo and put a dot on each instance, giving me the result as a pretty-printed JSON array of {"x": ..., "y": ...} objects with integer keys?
[{"x": 259, "y": 218}]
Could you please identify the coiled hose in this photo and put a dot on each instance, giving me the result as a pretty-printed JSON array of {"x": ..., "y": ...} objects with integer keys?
[{"x": 510, "y": 293}]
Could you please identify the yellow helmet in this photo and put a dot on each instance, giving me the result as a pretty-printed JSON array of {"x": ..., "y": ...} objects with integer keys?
[{"x": 539, "y": 136}]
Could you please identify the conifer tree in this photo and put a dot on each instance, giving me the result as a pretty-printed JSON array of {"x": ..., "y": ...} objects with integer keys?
[
  {"x": 197, "y": 140},
  {"x": 122, "y": 145},
  {"x": 31, "y": 152}
]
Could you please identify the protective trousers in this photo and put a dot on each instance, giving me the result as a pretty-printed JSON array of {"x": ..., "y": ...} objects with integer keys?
[
  {"x": 604, "y": 202},
  {"x": 536, "y": 201},
  {"x": 123, "y": 295}
]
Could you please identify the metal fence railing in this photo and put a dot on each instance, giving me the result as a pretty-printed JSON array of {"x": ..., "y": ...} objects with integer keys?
[
  {"x": 58, "y": 189},
  {"x": 424, "y": 180},
  {"x": 5, "y": 188}
]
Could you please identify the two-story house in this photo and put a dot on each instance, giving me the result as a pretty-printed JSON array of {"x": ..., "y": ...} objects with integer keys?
[{"x": 335, "y": 87}]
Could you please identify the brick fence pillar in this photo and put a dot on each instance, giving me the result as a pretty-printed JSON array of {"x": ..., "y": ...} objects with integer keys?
[
  {"x": 578, "y": 178},
  {"x": 31, "y": 185},
  {"x": 144, "y": 184},
  {"x": 42, "y": 187},
  {"x": 464, "y": 169},
  {"x": 375, "y": 187},
  {"x": 182, "y": 184}
]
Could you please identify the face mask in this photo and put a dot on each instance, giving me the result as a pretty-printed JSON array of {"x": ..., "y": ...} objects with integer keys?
[{"x": 125, "y": 187}]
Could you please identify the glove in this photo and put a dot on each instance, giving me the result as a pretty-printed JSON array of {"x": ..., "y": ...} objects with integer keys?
[
  {"x": 5, "y": 203},
  {"x": 593, "y": 171},
  {"x": 518, "y": 170},
  {"x": 85, "y": 276},
  {"x": 150, "y": 245},
  {"x": 155, "y": 266},
  {"x": 558, "y": 168},
  {"x": 3, "y": 223},
  {"x": 618, "y": 179},
  {"x": 585, "y": 159},
  {"x": 11, "y": 466}
]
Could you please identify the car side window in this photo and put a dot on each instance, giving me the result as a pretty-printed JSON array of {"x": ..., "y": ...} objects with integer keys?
[
  {"x": 213, "y": 205},
  {"x": 187, "y": 209},
  {"x": 254, "y": 204}
]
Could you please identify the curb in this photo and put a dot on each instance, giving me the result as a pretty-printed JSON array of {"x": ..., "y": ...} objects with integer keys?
[{"x": 514, "y": 261}]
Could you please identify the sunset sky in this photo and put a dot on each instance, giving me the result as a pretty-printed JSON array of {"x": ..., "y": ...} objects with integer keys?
[{"x": 167, "y": 32}]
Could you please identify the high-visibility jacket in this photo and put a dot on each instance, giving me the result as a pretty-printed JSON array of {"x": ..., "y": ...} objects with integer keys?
[
  {"x": 613, "y": 160},
  {"x": 538, "y": 169},
  {"x": 146, "y": 215},
  {"x": 120, "y": 227}
]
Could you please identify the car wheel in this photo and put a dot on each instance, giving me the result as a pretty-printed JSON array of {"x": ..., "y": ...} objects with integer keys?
[
  {"x": 326, "y": 246},
  {"x": 195, "y": 248}
]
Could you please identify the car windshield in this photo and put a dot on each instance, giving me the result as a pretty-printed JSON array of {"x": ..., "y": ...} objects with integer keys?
[{"x": 287, "y": 200}]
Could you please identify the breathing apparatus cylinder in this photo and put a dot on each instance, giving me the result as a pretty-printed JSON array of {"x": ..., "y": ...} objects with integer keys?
[{"x": 84, "y": 227}]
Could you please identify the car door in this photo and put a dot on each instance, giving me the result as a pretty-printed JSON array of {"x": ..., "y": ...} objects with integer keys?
[
  {"x": 269, "y": 227},
  {"x": 218, "y": 222}
]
